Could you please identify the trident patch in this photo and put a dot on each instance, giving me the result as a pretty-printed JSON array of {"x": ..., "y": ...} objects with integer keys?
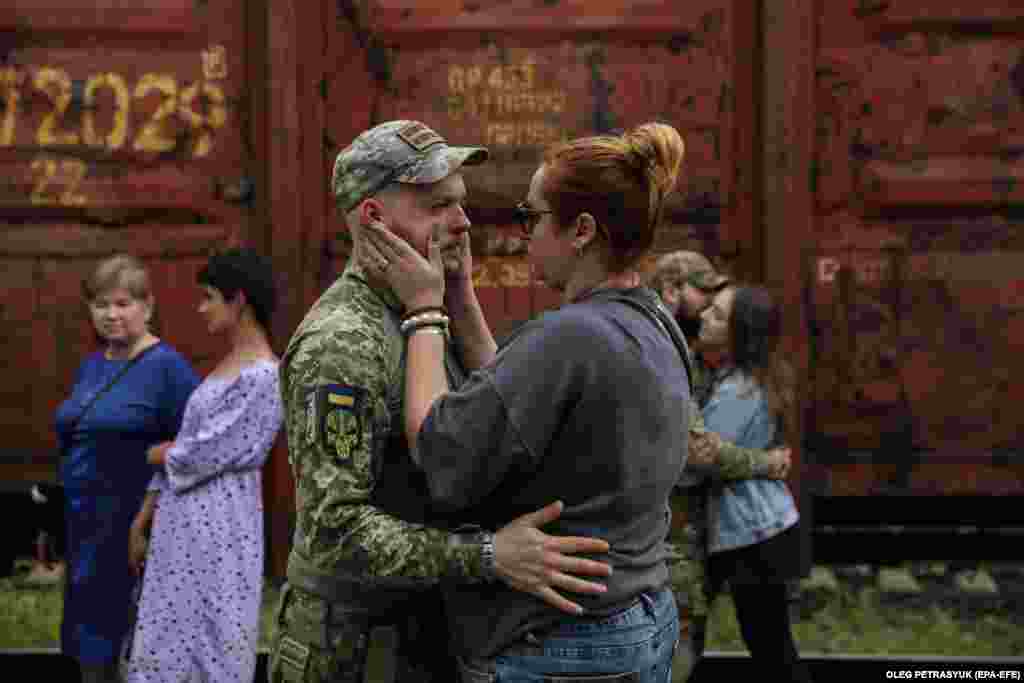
[{"x": 340, "y": 410}]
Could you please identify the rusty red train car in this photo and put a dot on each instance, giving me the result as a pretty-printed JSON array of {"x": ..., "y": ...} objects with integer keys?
[{"x": 861, "y": 157}]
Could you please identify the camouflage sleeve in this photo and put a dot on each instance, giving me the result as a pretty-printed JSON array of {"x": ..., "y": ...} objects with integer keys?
[
  {"x": 730, "y": 462},
  {"x": 336, "y": 414},
  {"x": 686, "y": 544}
]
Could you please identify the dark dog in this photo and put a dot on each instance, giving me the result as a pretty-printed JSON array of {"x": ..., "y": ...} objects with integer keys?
[
  {"x": 49, "y": 499},
  {"x": 35, "y": 512}
]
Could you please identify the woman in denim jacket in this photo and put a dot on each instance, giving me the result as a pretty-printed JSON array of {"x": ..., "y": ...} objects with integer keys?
[{"x": 753, "y": 541}]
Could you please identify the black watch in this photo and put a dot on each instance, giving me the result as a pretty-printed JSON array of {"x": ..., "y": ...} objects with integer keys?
[
  {"x": 471, "y": 534},
  {"x": 487, "y": 559}
]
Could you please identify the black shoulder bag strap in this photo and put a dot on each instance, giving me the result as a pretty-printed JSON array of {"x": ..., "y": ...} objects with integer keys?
[
  {"x": 659, "y": 315},
  {"x": 117, "y": 378}
]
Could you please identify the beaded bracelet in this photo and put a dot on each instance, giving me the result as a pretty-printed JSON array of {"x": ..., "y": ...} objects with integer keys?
[
  {"x": 431, "y": 318},
  {"x": 425, "y": 309},
  {"x": 409, "y": 324},
  {"x": 408, "y": 329},
  {"x": 433, "y": 329},
  {"x": 426, "y": 316}
]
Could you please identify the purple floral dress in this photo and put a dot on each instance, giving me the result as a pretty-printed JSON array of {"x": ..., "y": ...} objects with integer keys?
[{"x": 199, "y": 608}]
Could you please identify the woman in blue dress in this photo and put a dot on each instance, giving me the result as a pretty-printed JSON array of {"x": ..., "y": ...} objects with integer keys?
[
  {"x": 126, "y": 397},
  {"x": 753, "y": 541}
]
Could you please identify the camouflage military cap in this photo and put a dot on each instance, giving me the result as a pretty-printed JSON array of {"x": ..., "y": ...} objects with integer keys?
[
  {"x": 692, "y": 268},
  {"x": 396, "y": 151}
]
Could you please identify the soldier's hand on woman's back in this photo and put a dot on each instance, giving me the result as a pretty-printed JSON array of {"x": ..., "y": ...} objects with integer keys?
[
  {"x": 781, "y": 462},
  {"x": 703, "y": 448},
  {"x": 532, "y": 561}
]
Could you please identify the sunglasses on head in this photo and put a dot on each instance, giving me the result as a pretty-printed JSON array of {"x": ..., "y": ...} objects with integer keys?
[{"x": 528, "y": 217}]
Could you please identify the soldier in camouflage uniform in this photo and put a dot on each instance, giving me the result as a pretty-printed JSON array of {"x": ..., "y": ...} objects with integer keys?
[
  {"x": 368, "y": 552},
  {"x": 686, "y": 282}
]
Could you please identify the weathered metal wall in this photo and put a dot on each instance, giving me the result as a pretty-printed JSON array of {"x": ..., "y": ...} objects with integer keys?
[
  {"x": 519, "y": 76},
  {"x": 915, "y": 278},
  {"x": 861, "y": 157},
  {"x": 121, "y": 129}
]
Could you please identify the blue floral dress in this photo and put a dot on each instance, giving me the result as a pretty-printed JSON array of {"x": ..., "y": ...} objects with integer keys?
[{"x": 202, "y": 585}]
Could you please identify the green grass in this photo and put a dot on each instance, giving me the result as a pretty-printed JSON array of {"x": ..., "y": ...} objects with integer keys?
[
  {"x": 30, "y": 617},
  {"x": 850, "y": 621},
  {"x": 858, "y": 622}
]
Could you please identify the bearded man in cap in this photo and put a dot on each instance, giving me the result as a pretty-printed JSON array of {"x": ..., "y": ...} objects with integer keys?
[
  {"x": 369, "y": 553},
  {"x": 687, "y": 282}
]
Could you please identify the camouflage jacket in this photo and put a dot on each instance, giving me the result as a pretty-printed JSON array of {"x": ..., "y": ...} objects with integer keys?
[
  {"x": 688, "y": 534},
  {"x": 732, "y": 462},
  {"x": 342, "y": 384}
]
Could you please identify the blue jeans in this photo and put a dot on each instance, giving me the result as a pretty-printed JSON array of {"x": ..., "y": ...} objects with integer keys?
[{"x": 634, "y": 645}]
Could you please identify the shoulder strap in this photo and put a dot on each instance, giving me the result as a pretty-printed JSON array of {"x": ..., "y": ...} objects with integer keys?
[
  {"x": 661, "y": 318},
  {"x": 117, "y": 378}
]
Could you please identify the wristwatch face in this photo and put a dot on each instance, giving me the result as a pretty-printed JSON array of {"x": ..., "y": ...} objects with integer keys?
[{"x": 487, "y": 551}]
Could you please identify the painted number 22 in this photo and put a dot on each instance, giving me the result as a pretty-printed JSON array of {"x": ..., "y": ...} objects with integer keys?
[{"x": 57, "y": 182}]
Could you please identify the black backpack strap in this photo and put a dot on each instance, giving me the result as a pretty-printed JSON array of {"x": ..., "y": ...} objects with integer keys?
[{"x": 659, "y": 315}]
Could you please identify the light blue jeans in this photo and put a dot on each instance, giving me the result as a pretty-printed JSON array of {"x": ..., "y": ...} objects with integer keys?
[{"x": 634, "y": 645}]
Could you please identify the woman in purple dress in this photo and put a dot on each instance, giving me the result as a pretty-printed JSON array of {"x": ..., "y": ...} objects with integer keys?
[
  {"x": 198, "y": 617},
  {"x": 126, "y": 397}
]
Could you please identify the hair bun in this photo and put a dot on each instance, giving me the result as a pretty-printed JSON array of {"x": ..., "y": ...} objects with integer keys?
[{"x": 657, "y": 149}]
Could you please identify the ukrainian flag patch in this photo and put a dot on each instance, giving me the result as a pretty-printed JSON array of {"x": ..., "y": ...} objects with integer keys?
[
  {"x": 341, "y": 413},
  {"x": 341, "y": 395}
]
